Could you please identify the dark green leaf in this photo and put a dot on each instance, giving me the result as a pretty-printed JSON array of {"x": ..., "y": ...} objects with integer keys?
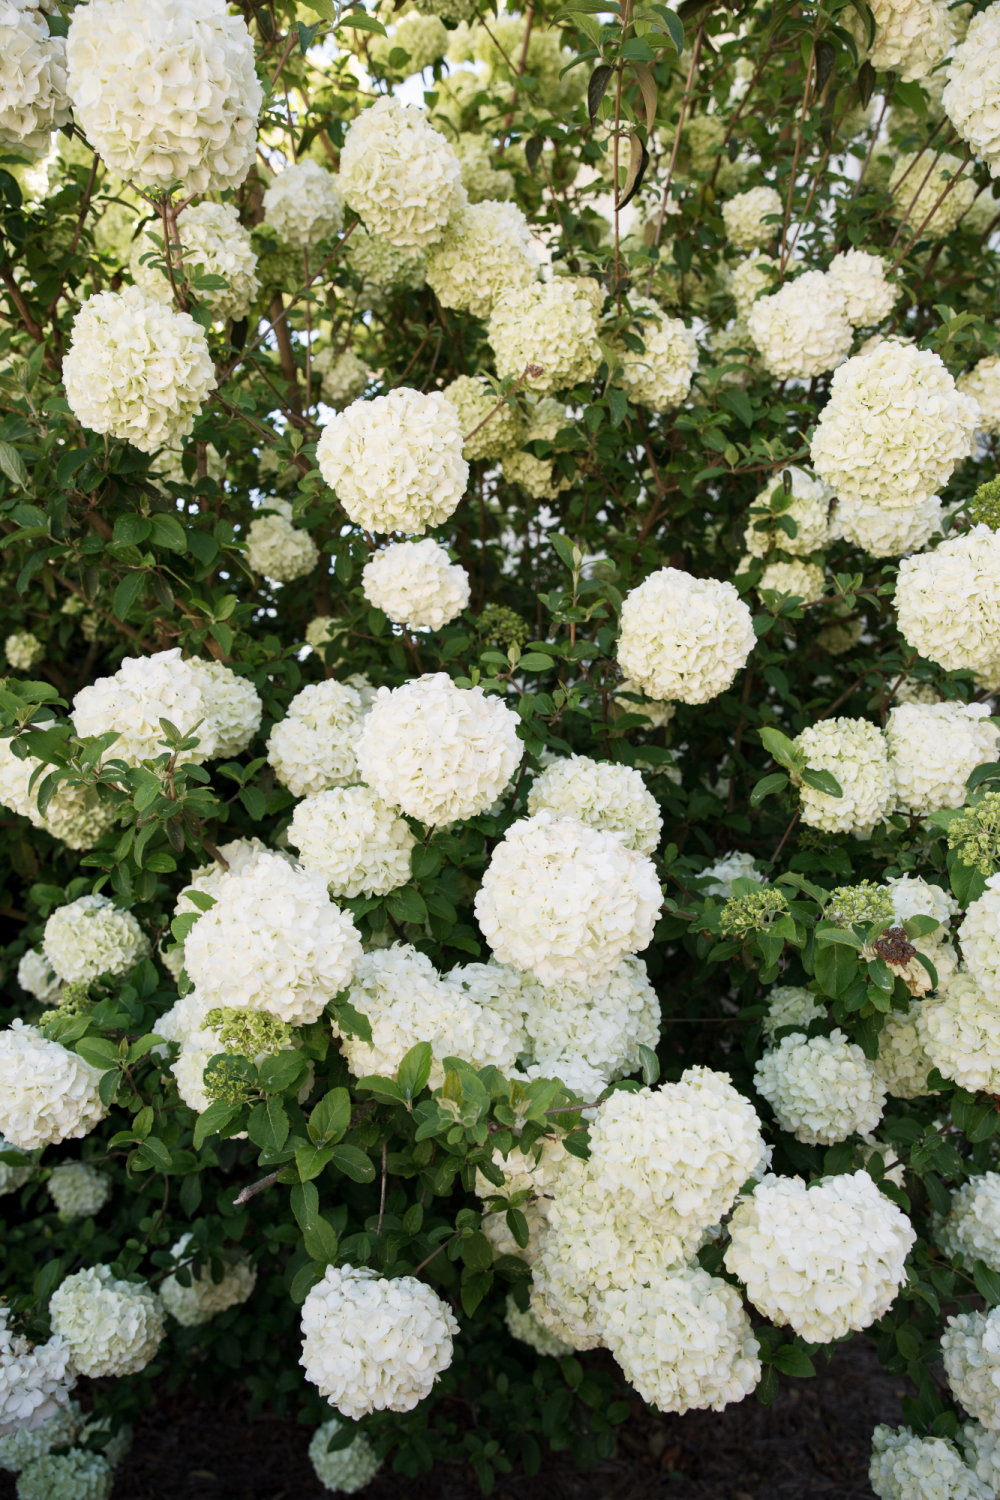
[
  {"x": 415, "y": 1069},
  {"x": 353, "y": 1163}
]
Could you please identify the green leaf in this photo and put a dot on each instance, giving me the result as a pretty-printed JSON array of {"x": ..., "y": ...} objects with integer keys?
[
  {"x": 407, "y": 905},
  {"x": 791, "y": 1360},
  {"x": 127, "y": 592},
  {"x": 477, "y": 1252},
  {"x": 169, "y": 533},
  {"x": 255, "y": 801},
  {"x": 324, "y": 8},
  {"x": 780, "y": 748},
  {"x": 12, "y": 465},
  {"x": 132, "y": 529},
  {"x": 474, "y": 1289},
  {"x": 361, "y": 21},
  {"x": 827, "y": 935},
  {"x": 350, "y": 1021},
  {"x": 650, "y": 1065},
  {"x": 353, "y": 1163},
  {"x": 415, "y": 1069},
  {"x": 738, "y": 402},
  {"x": 155, "y": 1153},
  {"x": 278, "y": 1073},
  {"x": 836, "y": 966},
  {"x": 768, "y": 1386},
  {"x": 321, "y": 1241},
  {"x": 268, "y": 1125},
  {"x": 181, "y": 926},
  {"x": 98, "y": 1052},
  {"x": 310, "y": 1160},
  {"x": 518, "y": 1226},
  {"x": 822, "y": 781},
  {"x": 987, "y": 1283},
  {"x": 330, "y": 1118},
  {"x": 304, "y": 1201},
  {"x": 216, "y": 1116},
  {"x": 383, "y": 1088},
  {"x": 108, "y": 1087},
  {"x": 536, "y": 661},
  {"x": 775, "y": 782},
  {"x": 304, "y": 1280}
]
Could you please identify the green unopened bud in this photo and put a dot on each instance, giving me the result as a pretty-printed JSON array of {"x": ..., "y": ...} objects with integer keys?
[
  {"x": 975, "y": 835},
  {"x": 742, "y": 915},
  {"x": 249, "y": 1033},
  {"x": 866, "y": 902},
  {"x": 984, "y": 508}
]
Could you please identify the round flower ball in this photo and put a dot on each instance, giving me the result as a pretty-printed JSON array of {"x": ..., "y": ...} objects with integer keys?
[
  {"x": 552, "y": 325},
  {"x": 276, "y": 548},
  {"x": 213, "y": 243},
  {"x": 400, "y": 175},
  {"x": 824, "y": 1260},
  {"x": 542, "y": 479},
  {"x": 382, "y": 267},
  {"x": 566, "y": 901},
  {"x": 972, "y": 92},
  {"x": 198, "y": 1303},
  {"x": 273, "y": 941},
  {"x": 932, "y": 749},
  {"x": 790, "y": 1005},
  {"x": 314, "y": 746},
  {"x": 91, "y": 936},
  {"x": 758, "y": 273},
  {"x": 78, "y": 1190},
  {"x": 235, "y": 708},
  {"x": 166, "y": 92},
  {"x": 902, "y": 1063},
  {"x": 481, "y": 182},
  {"x": 982, "y": 384},
  {"x": 734, "y": 866},
  {"x": 47, "y": 1093},
  {"x": 24, "y": 1444},
  {"x": 303, "y": 205},
  {"x": 911, "y": 36},
  {"x": 12, "y": 1178},
  {"x": 855, "y": 753},
  {"x": 112, "y": 1327},
  {"x": 804, "y": 579},
  {"x": 683, "y": 1341},
  {"x": 374, "y": 1345},
  {"x": 982, "y": 1453},
  {"x": 684, "y": 638},
  {"x": 343, "y": 377},
  {"x": 32, "y": 81},
  {"x": 744, "y": 217},
  {"x": 135, "y": 369},
  {"x": 76, "y": 1475},
  {"x": 972, "y": 1228},
  {"x": 525, "y": 1327},
  {"x": 887, "y": 533},
  {"x": 859, "y": 277},
  {"x": 805, "y": 503},
  {"x": 960, "y": 1032},
  {"x": 395, "y": 462},
  {"x": 416, "y": 584},
  {"x": 916, "y": 185},
  {"x": 144, "y": 690},
  {"x": 75, "y": 814},
  {"x": 358, "y": 843},
  {"x": 23, "y": 650},
  {"x": 948, "y": 601},
  {"x": 907, "y": 1467},
  {"x": 344, "y": 1470},
  {"x": 660, "y": 377},
  {"x": 35, "y": 1380},
  {"x": 439, "y": 752},
  {"x": 801, "y": 330},
  {"x": 979, "y": 937},
  {"x": 821, "y": 1089},
  {"x": 602, "y": 794},
  {"x": 486, "y": 252},
  {"x": 894, "y": 428},
  {"x": 474, "y": 400},
  {"x": 970, "y": 1346}
]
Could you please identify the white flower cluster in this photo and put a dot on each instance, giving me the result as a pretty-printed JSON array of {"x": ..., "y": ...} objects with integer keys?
[
  {"x": 982, "y": 383},
  {"x": 91, "y": 936},
  {"x": 313, "y": 747},
  {"x": 303, "y": 204},
  {"x": 801, "y": 330},
  {"x": 902, "y": 1063},
  {"x": 734, "y": 866},
  {"x": 486, "y": 252},
  {"x": 12, "y": 1178},
  {"x": 25, "y": 1444},
  {"x": 35, "y": 1380},
  {"x": 602, "y": 794},
  {"x": 374, "y": 1345},
  {"x": 76, "y": 1475},
  {"x": 36, "y": 975},
  {"x": 437, "y": 751},
  {"x": 894, "y": 428},
  {"x": 383, "y": 267},
  {"x": 659, "y": 378},
  {"x": 425, "y": 38},
  {"x": 911, "y": 36},
  {"x": 790, "y": 1005},
  {"x": 400, "y": 175},
  {"x": 860, "y": 279},
  {"x": 948, "y": 602},
  {"x": 144, "y": 690},
  {"x": 922, "y": 194},
  {"x": 979, "y": 937},
  {"x": 982, "y": 1453},
  {"x": 821, "y": 1089},
  {"x": 972, "y": 1227},
  {"x": 526, "y": 1327},
  {"x": 684, "y": 638},
  {"x": 756, "y": 274},
  {"x": 75, "y": 814},
  {"x": 276, "y": 548},
  {"x": 973, "y": 87},
  {"x": 234, "y": 707},
  {"x": 359, "y": 844},
  {"x": 566, "y": 901},
  {"x": 23, "y": 650},
  {"x": 806, "y": 580},
  {"x": 198, "y": 1303},
  {"x": 907, "y": 1467},
  {"x": 970, "y": 1346},
  {"x": 406, "y": 1001},
  {"x": 540, "y": 476},
  {"x": 344, "y": 1470},
  {"x": 112, "y": 1327},
  {"x": 343, "y": 377},
  {"x": 273, "y": 941},
  {"x": 854, "y": 752},
  {"x": 47, "y": 1093},
  {"x": 807, "y": 504},
  {"x": 553, "y": 324},
  {"x": 886, "y": 533},
  {"x": 960, "y": 1032},
  {"x": 823, "y": 1260},
  {"x": 77, "y": 1190},
  {"x": 32, "y": 81},
  {"x": 913, "y": 896},
  {"x": 396, "y": 462},
  {"x": 166, "y": 91},
  {"x": 744, "y": 217},
  {"x": 239, "y": 855},
  {"x": 416, "y": 584},
  {"x": 135, "y": 368},
  {"x": 213, "y": 243},
  {"x": 481, "y": 181},
  {"x": 473, "y": 399},
  {"x": 932, "y": 749}
]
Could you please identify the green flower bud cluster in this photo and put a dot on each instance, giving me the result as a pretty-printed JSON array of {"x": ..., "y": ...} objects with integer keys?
[
  {"x": 742, "y": 915},
  {"x": 249, "y": 1033},
  {"x": 975, "y": 834},
  {"x": 500, "y": 626},
  {"x": 866, "y": 902},
  {"x": 984, "y": 507}
]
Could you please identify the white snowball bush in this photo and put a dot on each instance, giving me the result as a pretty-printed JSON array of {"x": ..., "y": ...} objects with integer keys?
[
  {"x": 213, "y": 243},
  {"x": 801, "y": 330},
  {"x": 278, "y": 549},
  {"x": 357, "y": 842},
  {"x": 486, "y": 252},
  {"x": 855, "y": 753},
  {"x": 234, "y": 706},
  {"x": 438, "y": 751},
  {"x": 75, "y": 815},
  {"x": 948, "y": 601},
  {"x": 22, "y": 1446},
  {"x": 396, "y": 462},
  {"x": 144, "y": 690},
  {"x": 821, "y": 1088},
  {"x": 907, "y": 1467},
  {"x": 47, "y": 1093},
  {"x": 32, "y": 81},
  {"x": 343, "y": 377},
  {"x": 78, "y": 1190},
  {"x": 345, "y": 1470},
  {"x": 23, "y": 650},
  {"x": 902, "y": 1063},
  {"x": 684, "y": 638},
  {"x": 734, "y": 866},
  {"x": 911, "y": 36},
  {"x": 887, "y": 533},
  {"x": 136, "y": 369},
  {"x": 824, "y": 1260},
  {"x": 35, "y": 1380},
  {"x": 566, "y": 901},
  {"x": 973, "y": 88},
  {"x": 553, "y": 324},
  {"x": 805, "y": 580},
  {"x": 970, "y": 1346},
  {"x": 400, "y": 175},
  {"x": 539, "y": 476},
  {"x": 526, "y": 1327},
  {"x": 659, "y": 378},
  {"x": 790, "y": 1005},
  {"x": 198, "y": 1303},
  {"x": 972, "y": 1227},
  {"x": 11, "y": 1177},
  {"x": 303, "y": 205},
  {"x": 744, "y": 217},
  {"x": 960, "y": 1032},
  {"x": 982, "y": 383},
  {"x": 313, "y": 747},
  {"x": 76, "y": 1475},
  {"x": 806, "y": 503},
  {"x": 923, "y": 195},
  {"x": 860, "y": 278},
  {"x": 273, "y": 941},
  {"x": 603, "y": 795},
  {"x": 894, "y": 428},
  {"x": 474, "y": 400},
  {"x": 374, "y": 1345},
  {"x": 166, "y": 91},
  {"x": 979, "y": 936},
  {"x": 92, "y": 936},
  {"x": 112, "y": 1327},
  {"x": 982, "y": 1453},
  {"x": 932, "y": 749},
  {"x": 416, "y": 584},
  {"x": 36, "y": 975}
]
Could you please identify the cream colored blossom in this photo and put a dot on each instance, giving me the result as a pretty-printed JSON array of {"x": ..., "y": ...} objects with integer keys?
[
  {"x": 486, "y": 252},
  {"x": 400, "y": 175}
]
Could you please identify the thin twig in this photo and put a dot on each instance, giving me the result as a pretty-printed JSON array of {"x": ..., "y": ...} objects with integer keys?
[
  {"x": 529, "y": 371},
  {"x": 256, "y": 1187},
  {"x": 784, "y": 837},
  {"x": 677, "y": 134},
  {"x": 381, "y": 1206},
  {"x": 795, "y": 162},
  {"x": 941, "y": 197}
]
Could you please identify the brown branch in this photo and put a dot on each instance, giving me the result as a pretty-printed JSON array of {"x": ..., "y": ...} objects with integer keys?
[
  {"x": 254, "y": 1188},
  {"x": 677, "y": 135},
  {"x": 795, "y": 161},
  {"x": 529, "y": 371},
  {"x": 31, "y": 327},
  {"x": 941, "y": 197}
]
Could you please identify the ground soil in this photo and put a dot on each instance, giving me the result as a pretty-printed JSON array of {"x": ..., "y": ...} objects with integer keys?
[{"x": 813, "y": 1443}]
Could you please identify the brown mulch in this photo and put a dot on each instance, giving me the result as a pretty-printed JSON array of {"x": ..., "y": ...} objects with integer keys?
[{"x": 813, "y": 1443}]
